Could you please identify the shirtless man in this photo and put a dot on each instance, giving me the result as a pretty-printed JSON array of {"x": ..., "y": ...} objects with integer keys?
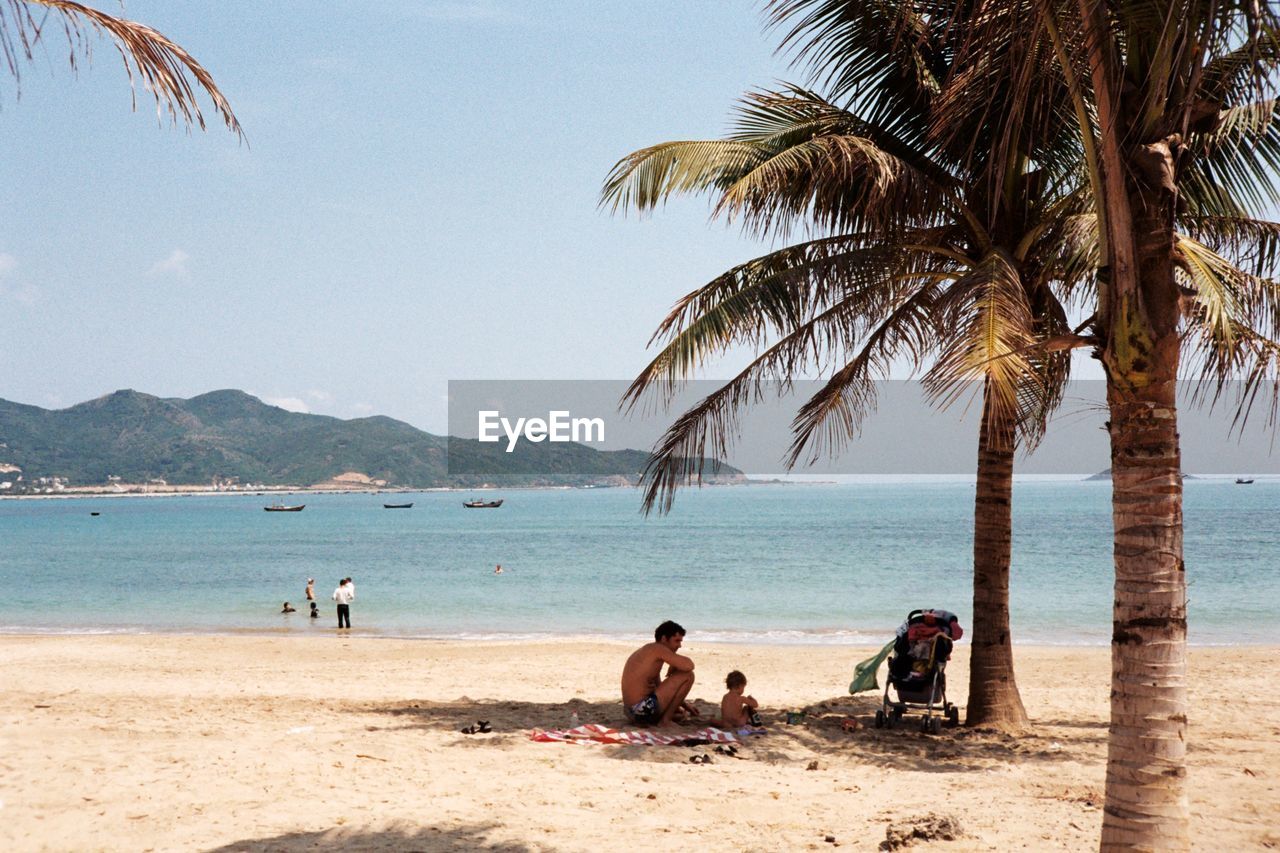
[{"x": 647, "y": 698}]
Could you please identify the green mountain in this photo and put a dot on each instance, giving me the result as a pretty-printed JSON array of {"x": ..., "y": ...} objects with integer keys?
[{"x": 226, "y": 434}]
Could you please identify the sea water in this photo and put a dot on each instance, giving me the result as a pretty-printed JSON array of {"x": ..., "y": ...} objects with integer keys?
[{"x": 813, "y": 563}]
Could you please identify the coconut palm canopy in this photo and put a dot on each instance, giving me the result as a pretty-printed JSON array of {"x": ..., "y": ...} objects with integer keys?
[
  {"x": 163, "y": 68},
  {"x": 911, "y": 255}
]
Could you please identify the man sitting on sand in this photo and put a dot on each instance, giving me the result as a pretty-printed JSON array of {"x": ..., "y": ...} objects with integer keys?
[{"x": 649, "y": 699}]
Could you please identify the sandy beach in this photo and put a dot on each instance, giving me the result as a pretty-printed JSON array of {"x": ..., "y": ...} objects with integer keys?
[{"x": 260, "y": 742}]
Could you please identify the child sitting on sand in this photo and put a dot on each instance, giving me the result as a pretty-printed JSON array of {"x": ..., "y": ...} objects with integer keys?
[{"x": 737, "y": 710}]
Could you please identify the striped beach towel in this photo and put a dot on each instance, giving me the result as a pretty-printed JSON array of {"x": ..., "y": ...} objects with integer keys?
[{"x": 596, "y": 734}]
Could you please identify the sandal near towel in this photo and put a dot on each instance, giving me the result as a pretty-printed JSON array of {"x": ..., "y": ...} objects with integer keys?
[{"x": 699, "y": 759}]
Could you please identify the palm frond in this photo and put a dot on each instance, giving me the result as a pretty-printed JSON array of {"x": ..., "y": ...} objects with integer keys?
[
  {"x": 834, "y": 415},
  {"x": 772, "y": 296},
  {"x": 708, "y": 429},
  {"x": 164, "y": 68},
  {"x": 993, "y": 338},
  {"x": 1239, "y": 158},
  {"x": 647, "y": 177}
]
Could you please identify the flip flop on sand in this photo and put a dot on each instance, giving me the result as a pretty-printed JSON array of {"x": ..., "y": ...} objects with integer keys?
[
  {"x": 699, "y": 759},
  {"x": 482, "y": 727},
  {"x": 469, "y": 730},
  {"x": 730, "y": 750}
]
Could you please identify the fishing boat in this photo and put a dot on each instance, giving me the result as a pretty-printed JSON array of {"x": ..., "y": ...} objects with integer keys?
[
  {"x": 483, "y": 504},
  {"x": 398, "y": 506},
  {"x": 278, "y": 507},
  {"x": 1241, "y": 481}
]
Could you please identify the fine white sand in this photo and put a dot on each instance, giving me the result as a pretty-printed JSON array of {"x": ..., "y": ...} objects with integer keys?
[{"x": 253, "y": 742}]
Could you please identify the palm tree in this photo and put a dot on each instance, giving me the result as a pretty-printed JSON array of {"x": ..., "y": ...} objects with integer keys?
[
  {"x": 808, "y": 295},
  {"x": 164, "y": 68},
  {"x": 1176, "y": 97},
  {"x": 912, "y": 267}
]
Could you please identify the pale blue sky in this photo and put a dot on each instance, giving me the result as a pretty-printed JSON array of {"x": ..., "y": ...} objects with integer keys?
[{"x": 417, "y": 202}]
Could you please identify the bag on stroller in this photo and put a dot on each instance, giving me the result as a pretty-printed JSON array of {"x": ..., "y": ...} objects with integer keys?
[{"x": 918, "y": 671}]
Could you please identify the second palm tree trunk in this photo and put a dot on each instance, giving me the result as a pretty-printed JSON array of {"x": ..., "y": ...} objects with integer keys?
[{"x": 993, "y": 692}]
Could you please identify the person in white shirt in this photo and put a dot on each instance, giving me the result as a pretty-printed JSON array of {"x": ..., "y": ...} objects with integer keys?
[{"x": 344, "y": 595}]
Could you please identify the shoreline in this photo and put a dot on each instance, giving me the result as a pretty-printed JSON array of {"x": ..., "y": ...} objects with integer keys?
[
  {"x": 297, "y": 743},
  {"x": 861, "y": 641}
]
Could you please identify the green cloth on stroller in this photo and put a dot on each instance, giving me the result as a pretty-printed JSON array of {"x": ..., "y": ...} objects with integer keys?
[{"x": 864, "y": 674}]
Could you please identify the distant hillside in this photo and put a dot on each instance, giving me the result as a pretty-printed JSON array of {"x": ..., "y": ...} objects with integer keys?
[{"x": 226, "y": 434}]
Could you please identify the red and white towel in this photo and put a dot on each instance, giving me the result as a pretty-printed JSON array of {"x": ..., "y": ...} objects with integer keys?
[{"x": 596, "y": 734}]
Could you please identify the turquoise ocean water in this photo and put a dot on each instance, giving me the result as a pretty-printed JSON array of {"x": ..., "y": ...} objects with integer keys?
[{"x": 834, "y": 564}]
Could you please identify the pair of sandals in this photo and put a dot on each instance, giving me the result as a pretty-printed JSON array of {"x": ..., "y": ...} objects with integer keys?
[
  {"x": 700, "y": 758},
  {"x": 480, "y": 728},
  {"x": 727, "y": 749}
]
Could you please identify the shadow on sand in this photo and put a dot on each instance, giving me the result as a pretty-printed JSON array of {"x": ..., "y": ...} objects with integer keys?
[
  {"x": 820, "y": 736},
  {"x": 401, "y": 839}
]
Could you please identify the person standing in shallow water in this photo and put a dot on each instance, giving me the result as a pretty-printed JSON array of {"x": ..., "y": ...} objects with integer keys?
[
  {"x": 311, "y": 589},
  {"x": 344, "y": 595}
]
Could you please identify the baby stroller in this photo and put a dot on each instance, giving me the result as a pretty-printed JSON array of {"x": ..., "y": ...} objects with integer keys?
[{"x": 918, "y": 671}]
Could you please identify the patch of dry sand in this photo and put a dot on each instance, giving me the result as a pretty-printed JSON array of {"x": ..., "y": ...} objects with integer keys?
[{"x": 240, "y": 743}]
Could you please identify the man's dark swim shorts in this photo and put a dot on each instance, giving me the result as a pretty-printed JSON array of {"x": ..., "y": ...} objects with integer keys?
[{"x": 645, "y": 711}]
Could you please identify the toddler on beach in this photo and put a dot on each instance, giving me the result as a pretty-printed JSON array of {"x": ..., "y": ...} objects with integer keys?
[{"x": 737, "y": 710}]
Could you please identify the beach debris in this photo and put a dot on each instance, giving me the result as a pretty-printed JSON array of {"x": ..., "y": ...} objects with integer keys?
[
  {"x": 813, "y": 765},
  {"x": 370, "y": 757},
  {"x": 929, "y": 827},
  {"x": 300, "y": 730},
  {"x": 849, "y": 724},
  {"x": 830, "y": 839}
]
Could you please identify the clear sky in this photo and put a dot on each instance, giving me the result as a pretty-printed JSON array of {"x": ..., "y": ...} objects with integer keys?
[{"x": 417, "y": 201}]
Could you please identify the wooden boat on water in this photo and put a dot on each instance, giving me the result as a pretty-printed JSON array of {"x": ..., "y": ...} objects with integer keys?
[
  {"x": 1241, "y": 481},
  {"x": 398, "y": 506},
  {"x": 283, "y": 508},
  {"x": 483, "y": 504}
]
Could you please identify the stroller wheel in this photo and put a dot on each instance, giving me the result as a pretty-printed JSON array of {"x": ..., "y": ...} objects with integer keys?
[
  {"x": 935, "y": 725},
  {"x": 880, "y": 719},
  {"x": 953, "y": 716},
  {"x": 924, "y": 724}
]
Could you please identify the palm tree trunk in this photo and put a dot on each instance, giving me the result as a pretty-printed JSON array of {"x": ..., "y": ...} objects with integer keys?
[
  {"x": 1146, "y": 802},
  {"x": 993, "y": 691},
  {"x": 1146, "y": 805}
]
